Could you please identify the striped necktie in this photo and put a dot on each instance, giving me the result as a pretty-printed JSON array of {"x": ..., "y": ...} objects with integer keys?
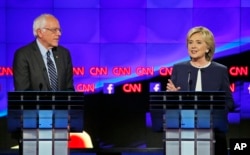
[{"x": 52, "y": 73}]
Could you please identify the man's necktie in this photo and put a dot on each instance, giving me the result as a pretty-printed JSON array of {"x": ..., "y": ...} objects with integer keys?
[{"x": 52, "y": 73}]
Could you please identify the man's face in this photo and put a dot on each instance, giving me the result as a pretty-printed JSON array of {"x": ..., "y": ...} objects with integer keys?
[{"x": 50, "y": 34}]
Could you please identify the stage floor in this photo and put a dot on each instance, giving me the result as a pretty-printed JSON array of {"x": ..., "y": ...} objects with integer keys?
[{"x": 113, "y": 151}]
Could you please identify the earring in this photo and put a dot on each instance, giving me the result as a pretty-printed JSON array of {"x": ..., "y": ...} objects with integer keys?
[{"x": 207, "y": 51}]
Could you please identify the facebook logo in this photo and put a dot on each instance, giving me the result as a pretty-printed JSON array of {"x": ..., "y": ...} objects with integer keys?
[
  {"x": 108, "y": 88},
  {"x": 155, "y": 87}
]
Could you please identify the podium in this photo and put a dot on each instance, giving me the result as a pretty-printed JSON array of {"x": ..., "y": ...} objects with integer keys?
[
  {"x": 44, "y": 120},
  {"x": 188, "y": 120}
]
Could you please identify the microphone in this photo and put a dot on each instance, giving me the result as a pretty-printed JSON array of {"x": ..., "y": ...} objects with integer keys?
[
  {"x": 189, "y": 81},
  {"x": 40, "y": 86}
]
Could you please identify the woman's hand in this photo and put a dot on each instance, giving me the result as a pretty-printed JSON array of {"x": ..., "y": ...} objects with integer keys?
[{"x": 171, "y": 87}]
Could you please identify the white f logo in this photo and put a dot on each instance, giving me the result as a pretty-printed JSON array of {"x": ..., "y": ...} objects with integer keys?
[
  {"x": 110, "y": 88},
  {"x": 156, "y": 87}
]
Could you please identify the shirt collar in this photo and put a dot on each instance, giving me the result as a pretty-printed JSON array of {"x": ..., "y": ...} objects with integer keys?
[{"x": 43, "y": 50}]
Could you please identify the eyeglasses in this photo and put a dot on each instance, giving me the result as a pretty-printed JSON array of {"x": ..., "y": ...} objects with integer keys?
[{"x": 53, "y": 30}]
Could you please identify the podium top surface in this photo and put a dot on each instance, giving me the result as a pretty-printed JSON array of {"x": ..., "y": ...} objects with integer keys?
[
  {"x": 188, "y": 97},
  {"x": 29, "y": 97}
]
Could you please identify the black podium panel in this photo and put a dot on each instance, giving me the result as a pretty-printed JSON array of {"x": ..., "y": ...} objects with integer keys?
[
  {"x": 32, "y": 102},
  {"x": 44, "y": 120},
  {"x": 188, "y": 120}
]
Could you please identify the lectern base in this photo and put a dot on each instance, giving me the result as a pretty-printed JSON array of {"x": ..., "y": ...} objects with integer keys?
[
  {"x": 45, "y": 142},
  {"x": 189, "y": 142}
]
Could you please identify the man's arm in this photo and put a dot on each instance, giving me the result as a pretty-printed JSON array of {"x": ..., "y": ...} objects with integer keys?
[
  {"x": 21, "y": 72},
  {"x": 69, "y": 75}
]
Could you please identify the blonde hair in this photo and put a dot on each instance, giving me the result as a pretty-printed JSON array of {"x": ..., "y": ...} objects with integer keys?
[{"x": 208, "y": 38}]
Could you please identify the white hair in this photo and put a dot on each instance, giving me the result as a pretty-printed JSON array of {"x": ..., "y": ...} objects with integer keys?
[{"x": 40, "y": 22}]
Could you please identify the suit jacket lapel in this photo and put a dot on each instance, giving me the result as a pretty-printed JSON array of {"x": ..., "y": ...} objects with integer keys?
[{"x": 42, "y": 67}]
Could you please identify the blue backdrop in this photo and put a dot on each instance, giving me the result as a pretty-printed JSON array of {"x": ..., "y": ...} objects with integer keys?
[{"x": 128, "y": 33}]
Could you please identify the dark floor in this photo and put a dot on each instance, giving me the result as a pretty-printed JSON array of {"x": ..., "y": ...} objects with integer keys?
[{"x": 152, "y": 151}]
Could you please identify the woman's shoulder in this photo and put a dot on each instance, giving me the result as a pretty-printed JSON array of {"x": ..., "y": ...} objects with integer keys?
[{"x": 218, "y": 65}]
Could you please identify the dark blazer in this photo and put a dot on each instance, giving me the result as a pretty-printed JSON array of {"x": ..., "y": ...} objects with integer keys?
[
  {"x": 214, "y": 78},
  {"x": 29, "y": 70}
]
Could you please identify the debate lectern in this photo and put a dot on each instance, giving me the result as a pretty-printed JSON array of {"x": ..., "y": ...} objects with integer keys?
[
  {"x": 44, "y": 120},
  {"x": 189, "y": 120}
]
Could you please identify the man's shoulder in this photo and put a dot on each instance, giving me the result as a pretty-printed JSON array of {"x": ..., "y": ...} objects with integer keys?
[
  {"x": 27, "y": 46},
  {"x": 27, "y": 49},
  {"x": 61, "y": 49},
  {"x": 62, "y": 52}
]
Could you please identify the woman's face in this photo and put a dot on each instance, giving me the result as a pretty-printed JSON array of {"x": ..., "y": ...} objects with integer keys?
[{"x": 197, "y": 47}]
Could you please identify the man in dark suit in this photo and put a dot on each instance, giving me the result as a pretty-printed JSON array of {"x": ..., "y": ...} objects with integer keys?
[
  {"x": 32, "y": 63},
  {"x": 30, "y": 68}
]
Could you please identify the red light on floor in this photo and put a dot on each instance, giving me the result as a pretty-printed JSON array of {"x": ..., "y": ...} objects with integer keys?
[{"x": 80, "y": 140}]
